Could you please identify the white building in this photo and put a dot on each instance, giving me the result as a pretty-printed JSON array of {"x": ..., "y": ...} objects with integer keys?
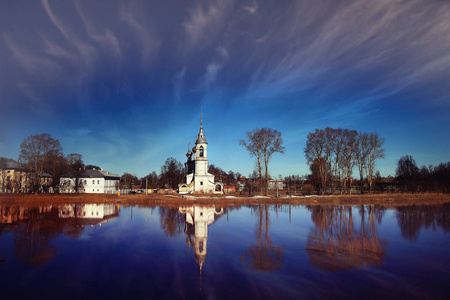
[
  {"x": 95, "y": 181},
  {"x": 198, "y": 180}
]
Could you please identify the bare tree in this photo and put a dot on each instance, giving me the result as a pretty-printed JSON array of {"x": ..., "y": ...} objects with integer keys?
[
  {"x": 263, "y": 143},
  {"x": 407, "y": 173},
  {"x": 36, "y": 150},
  {"x": 350, "y": 147},
  {"x": 315, "y": 155},
  {"x": 253, "y": 145},
  {"x": 76, "y": 165},
  {"x": 172, "y": 173},
  {"x": 375, "y": 151},
  {"x": 361, "y": 156}
]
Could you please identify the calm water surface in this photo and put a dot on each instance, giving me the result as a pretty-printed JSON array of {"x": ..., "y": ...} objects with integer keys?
[{"x": 257, "y": 252}]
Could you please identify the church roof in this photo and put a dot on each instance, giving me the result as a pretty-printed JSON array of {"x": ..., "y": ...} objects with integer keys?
[{"x": 201, "y": 136}]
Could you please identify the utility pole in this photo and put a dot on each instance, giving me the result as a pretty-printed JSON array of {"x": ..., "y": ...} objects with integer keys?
[{"x": 146, "y": 188}]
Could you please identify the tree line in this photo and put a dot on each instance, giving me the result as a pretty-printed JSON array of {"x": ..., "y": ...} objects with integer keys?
[
  {"x": 333, "y": 154},
  {"x": 173, "y": 173},
  {"x": 430, "y": 178}
]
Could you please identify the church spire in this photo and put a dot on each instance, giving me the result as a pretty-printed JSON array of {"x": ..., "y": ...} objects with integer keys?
[{"x": 201, "y": 136}]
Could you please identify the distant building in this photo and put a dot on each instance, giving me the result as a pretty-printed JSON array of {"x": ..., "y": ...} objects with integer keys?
[
  {"x": 95, "y": 181},
  {"x": 198, "y": 180},
  {"x": 14, "y": 178},
  {"x": 273, "y": 184}
]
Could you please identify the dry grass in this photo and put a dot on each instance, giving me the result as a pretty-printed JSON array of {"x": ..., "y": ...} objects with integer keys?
[{"x": 227, "y": 200}]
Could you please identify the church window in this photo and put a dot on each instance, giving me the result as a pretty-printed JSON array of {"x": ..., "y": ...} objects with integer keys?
[
  {"x": 201, "y": 151},
  {"x": 201, "y": 182}
]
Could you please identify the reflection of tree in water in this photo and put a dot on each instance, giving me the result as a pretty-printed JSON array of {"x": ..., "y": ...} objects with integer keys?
[
  {"x": 32, "y": 239},
  {"x": 335, "y": 243},
  {"x": 413, "y": 218},
  {"x": 264, "y": 256},
  {"x": 35, "y": 227},
  {"x": 171, "y": 222}
]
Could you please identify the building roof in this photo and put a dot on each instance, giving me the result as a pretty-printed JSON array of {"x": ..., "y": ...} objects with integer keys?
[
  {"x": 95, "y": 173},
  {"x": 9, "y": 164}
]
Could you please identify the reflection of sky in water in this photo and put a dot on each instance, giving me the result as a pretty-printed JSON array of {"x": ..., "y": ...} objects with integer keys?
[{"x": 145, "y": 252}]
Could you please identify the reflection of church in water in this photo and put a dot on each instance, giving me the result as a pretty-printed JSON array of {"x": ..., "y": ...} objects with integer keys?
[{"x": 198, "y": 218}]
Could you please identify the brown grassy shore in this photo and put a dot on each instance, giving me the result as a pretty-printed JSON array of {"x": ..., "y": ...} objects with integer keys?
[{"x": 226, "y": 200}]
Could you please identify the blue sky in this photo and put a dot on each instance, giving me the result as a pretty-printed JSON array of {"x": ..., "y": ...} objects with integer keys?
[{"x": 123, "y": 82}]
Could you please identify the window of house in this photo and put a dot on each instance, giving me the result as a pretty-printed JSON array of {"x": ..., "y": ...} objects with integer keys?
[
  {"x": 98, "y": 181},
  {"x": 85, "y": 182},
  {"x": 93, "y": 181}
]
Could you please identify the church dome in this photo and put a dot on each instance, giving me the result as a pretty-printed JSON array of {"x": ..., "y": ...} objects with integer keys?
[{"x": 201, "y": 137}]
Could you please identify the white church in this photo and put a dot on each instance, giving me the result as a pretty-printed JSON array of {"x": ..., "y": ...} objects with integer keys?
[{"x": 198, "y": 180}]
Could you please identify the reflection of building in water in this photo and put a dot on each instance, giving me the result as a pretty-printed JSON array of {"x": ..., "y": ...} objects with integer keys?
[
  {"x": 34, "y": 227},
  {"x": 336, "y": 244},
  {"x": 89, "y": 214},
  {"x": 197, "y": 220},
  {"x": 13, "y": 213}
]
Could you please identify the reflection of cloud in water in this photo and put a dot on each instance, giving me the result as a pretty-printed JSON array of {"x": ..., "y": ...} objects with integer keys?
[{"x": 336, "y": 243}]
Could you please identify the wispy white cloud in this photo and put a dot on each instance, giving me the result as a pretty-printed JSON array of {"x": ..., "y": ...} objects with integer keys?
[
  {"x": 205, "y": 22},
  {"x": 252, "y": 8},
  {"x": 210, "y": 76},
  {"x": 86, "y": 52},
  {"x": 31, "y": 62},
  {"x": 108, "y": 40},
  {"x": 395, "y": 43},
  {"x": 178, "y": 83},
  {"x": 149, "y": 42}
]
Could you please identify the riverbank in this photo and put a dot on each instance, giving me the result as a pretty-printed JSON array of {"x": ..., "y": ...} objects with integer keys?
[{"x": 227, "y": 200}]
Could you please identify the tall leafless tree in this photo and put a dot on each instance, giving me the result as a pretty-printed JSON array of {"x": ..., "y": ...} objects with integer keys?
[
  {"x": 263, "y": 143},
  {"x": 349, "y": 156},
  {"x": 253, "y": 145},
  {"x": 361, "y": 156},
  {"x": 315, "y": 155},
  {"x": 36, "y": 151},
  {"x": 333, "y": 153},
  {"x": 375, "y": 152}
]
